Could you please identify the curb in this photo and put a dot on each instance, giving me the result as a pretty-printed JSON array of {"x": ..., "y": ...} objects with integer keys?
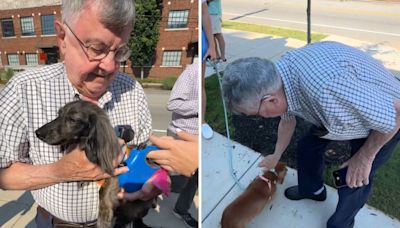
[{"x": 152, "y": 85}]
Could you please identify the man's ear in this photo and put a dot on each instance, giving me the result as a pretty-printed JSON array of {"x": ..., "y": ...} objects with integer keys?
[
  {"x": 273, "y": 99},
  {"x": 60, "y": 33}
]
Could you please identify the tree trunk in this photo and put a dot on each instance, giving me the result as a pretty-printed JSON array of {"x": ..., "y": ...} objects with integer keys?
[{"x": 141, "y": 73}]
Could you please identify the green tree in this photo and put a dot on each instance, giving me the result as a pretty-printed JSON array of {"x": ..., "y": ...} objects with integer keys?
[{"x": 144, "y": 37}]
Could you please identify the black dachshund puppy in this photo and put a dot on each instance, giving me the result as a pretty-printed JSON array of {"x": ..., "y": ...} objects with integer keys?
[{"x": 85, "y": 125}]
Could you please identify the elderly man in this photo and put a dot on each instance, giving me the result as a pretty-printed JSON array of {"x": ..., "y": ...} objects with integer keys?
[
  {"x": 344, "y": 93},
  {"x": 92, "y": 37}
]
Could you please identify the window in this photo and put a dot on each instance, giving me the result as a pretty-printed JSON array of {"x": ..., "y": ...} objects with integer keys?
[
  {"x": 47, "y": 24},
  {"x": 13, "y": 59},
  {"x": 7, "y": 27},
  {"x": 31, "y": 59},
  {"x": 171, "y": 58},
  {"x": 27, "y": 26},
  {"x": 178, "y": 19}
]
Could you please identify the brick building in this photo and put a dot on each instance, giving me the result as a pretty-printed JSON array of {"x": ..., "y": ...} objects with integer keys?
[
  {"x": 27, "y": 36},
  {"x": 27, "y": 33},
  {"x": 177, "y": 44}
]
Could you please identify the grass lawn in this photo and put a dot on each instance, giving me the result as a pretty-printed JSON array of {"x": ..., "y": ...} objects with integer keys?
[
  {"x": 386, "y": 192},
  {"x": 283, "y": 32}
]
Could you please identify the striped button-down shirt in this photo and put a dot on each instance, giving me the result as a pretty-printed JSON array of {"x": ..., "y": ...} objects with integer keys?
[
  {"x": 32, "y": 99},
  {"x": 184, "y": 101},
  {"x": 340, "y": 88}
]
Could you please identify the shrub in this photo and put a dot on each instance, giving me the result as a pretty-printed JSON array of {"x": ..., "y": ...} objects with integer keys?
[
  {"x": 168, "y": 83},
  {"x": 6, "y": 74}
]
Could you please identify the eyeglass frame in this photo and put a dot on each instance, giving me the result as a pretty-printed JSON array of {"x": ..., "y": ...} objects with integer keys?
[
  {"x": 263, "y": 98},
  {"x": 105, "y": 53}
]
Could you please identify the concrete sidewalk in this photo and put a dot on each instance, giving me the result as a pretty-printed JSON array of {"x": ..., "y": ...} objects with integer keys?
[
  {"x": 17, "y": 209},
  {"x": 285, "y": 213},
  {"x": 219, "y": 190},
  {"x": 240, "y": 44}
]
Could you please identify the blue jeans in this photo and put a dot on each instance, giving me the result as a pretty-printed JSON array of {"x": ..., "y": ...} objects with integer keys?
[{"x": 310, "y": 164}]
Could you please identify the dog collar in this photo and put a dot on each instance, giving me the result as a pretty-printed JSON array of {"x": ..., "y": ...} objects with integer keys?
[
  {"x": 268, "y": 183},
  {"x": 266, "y": 180}
]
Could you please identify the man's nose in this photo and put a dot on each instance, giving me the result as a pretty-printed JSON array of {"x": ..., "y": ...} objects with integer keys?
[{"x": 109, "y": 64}]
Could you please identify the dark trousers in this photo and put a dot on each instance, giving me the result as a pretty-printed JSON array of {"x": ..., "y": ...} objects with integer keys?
[
  {"x": 310, "y": 161},
  {"x": 187, "y": 186},
  {"x": 186, "y": 195},
  {"x": 43, "y": 221}
]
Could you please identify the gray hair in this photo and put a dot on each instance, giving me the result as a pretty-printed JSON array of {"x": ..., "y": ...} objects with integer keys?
[
  {"x": 246, "y": 80},
  {"x": 114, "y": 14}
]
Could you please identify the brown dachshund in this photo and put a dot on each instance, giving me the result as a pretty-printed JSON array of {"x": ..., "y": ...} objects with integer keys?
[{"x": 253, "y": 200}]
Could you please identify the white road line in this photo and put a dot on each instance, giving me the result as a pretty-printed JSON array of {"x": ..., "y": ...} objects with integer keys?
[
  {"x": 319, "y": 25},
  {"x": 159, "y": 131}
]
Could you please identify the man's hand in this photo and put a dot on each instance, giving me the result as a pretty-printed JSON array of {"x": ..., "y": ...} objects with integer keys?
[
  {"x": 181, "y": 156},
  {"x": 148, "y": 191},
  {"x": 270, "y": 161},
  {"x": 359, "y": 168},
  {"x": 211, "y": 53},
  {"x": 75, "y": 166}
]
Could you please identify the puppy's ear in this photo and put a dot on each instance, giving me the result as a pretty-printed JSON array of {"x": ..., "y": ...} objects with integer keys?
[
  {"x": 281, "y": 170},
  {"x": 102, "y": 143},
  {"x": 90, "y": 144}
]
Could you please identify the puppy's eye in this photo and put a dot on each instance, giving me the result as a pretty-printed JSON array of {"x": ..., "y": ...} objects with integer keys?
[{"x": 72, "y": 120}]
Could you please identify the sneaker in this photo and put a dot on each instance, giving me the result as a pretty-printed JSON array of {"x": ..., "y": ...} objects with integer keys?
[
  {"x": 221, "y": 60},
  {"x": 207, "y": 131},
  {"x": 293, "y": 193},
  {"x": 186, "y": 218}
]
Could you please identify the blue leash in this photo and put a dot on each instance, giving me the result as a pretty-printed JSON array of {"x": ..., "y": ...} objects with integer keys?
[{"x": 230, "y": 146}]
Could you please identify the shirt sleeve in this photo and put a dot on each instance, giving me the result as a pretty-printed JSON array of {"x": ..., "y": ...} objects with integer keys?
[
  {"x": 14, "y": 144},
  {"x": 182, "y": 96},
  {"x": 351, "y": 103}
]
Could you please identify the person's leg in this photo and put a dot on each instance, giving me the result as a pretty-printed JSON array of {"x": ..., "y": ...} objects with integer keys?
[
  {"x": 185, "y": 200},
  {"x": 352, "y": 200},
  {"x": 43, "y": 221},
  {"x": 203, "y": 93},
  {"x": 310, "y": 162},
  {"x": 310, "y": 167},
  {"x": 221, "y": 45},
  {"x": 186, "y": 197},
  {"x": 217, "y": 47}
]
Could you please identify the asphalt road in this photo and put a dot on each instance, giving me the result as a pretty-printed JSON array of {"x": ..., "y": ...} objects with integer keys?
[
  {"x": 157, "y": 101},
  {"x": 373, "y": 21}
]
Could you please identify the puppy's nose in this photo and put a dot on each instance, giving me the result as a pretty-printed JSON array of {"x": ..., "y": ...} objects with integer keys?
[{"x": 40, "y": 134}]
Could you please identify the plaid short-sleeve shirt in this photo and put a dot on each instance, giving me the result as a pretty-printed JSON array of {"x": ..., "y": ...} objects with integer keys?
[
  {"x": 33, "y": 98},
  {"x": 340, "y": 88}
]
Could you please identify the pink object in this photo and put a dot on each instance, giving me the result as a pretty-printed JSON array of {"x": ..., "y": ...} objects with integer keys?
[{"x": 160, "y": 179}]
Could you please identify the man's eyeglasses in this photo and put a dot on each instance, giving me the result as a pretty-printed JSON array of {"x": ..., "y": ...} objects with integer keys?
[
  {"x": 263, "y": 98},
  {"x": 98, "y": 51}
]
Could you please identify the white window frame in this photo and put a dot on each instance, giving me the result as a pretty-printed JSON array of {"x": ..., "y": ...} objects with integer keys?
[
  {"x": 178, "y": 19},
  {"x": 14, "y": 61},
  {"x": 172, "y": 58},
  {"x": 2, "y": 27},
  {"x": 31, "y": 59},
  {"x": 27, "y": 26},
  {"x": 44, "y": 23}
]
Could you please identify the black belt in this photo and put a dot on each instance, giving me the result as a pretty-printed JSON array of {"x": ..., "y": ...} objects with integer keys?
[{"x": 59, "y": 223}]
